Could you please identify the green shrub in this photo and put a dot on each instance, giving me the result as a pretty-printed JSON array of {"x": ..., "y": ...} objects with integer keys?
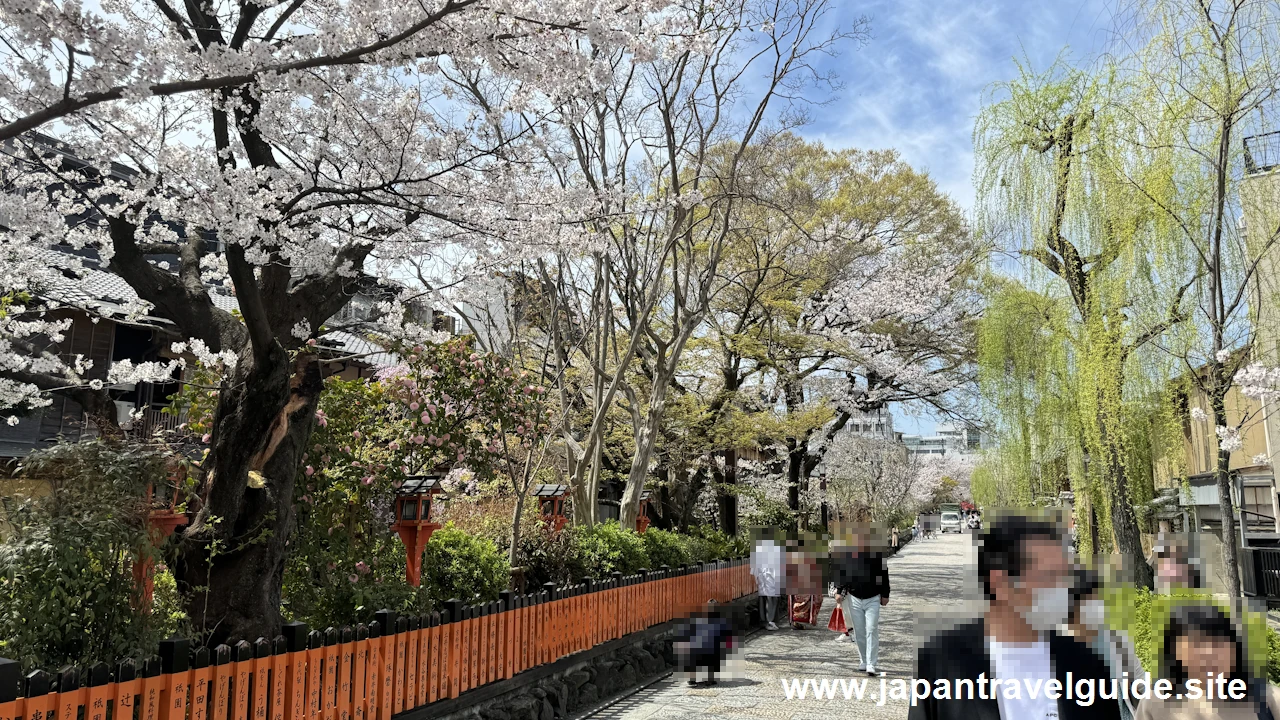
[
  {"x": 665, "y": 548},
  {"x": 706, "y": 544},
  {"x": 548, "y": 556},
  {"x": 457, "y": 565},
  {"x": 1143, "y": 615},
  {"x": 67, "y": 594},
  {"x": 608, "y": 548}
]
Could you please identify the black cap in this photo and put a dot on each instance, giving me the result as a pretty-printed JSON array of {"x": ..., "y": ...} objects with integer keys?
[
  {"x": 295, "y": 635},
  {"x": 175, "y": 654}
]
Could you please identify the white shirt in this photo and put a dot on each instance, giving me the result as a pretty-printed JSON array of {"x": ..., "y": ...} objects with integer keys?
[
  {"x": 766, "y": 566},
  {"x": 1027, "y": 668}
]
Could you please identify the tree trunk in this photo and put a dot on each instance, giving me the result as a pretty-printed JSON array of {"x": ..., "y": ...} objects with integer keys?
[
  {"x": 727, "y": 499},
  {"x": 645, "y": 439},
  {"x": 515, "y": 527},
  {"x": 1124, "y": 522},
  {"x": 1222, "y": 478},
  {"x": 232, "y": 556}
]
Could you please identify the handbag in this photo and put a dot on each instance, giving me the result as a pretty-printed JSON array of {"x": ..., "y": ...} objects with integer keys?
[{"x": 836, "y": 623}]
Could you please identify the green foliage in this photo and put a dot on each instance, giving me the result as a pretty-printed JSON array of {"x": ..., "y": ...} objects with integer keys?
[
  {"x": 705, "y": 544},
  {"x": 67, "y": 594},
  {"x": 548, "y": 556},
  {"x": 457, "y": 565},
  {"x": 1143, "y": 615},
  {"x": 447, "y": 406},
  {"x": 608, "y": 548},
  {"x": 771, "y": 513},
  {"x": 665, "y": 548}
]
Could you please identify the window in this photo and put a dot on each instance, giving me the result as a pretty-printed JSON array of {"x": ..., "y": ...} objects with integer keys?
[{"x": 1257, "y": 499}]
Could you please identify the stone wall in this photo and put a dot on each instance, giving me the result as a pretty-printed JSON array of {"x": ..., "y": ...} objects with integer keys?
[{"x": 578, "y": 682}]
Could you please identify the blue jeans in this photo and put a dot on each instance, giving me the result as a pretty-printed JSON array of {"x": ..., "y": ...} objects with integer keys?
[{"x": 864, "y": 615}]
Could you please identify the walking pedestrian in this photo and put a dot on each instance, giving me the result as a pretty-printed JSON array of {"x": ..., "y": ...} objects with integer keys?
[
  {"x": 803, "y": 585},
  {"x": 894, "y": 542},
  {"x": 862, "y": 584},
  {"x": 766, "y": 567},
  {"x": 1088, "y": 624},
  {"x": 1026, "y": 577}
]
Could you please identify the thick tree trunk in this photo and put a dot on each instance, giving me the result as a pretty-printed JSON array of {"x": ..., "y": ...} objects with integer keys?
[
  {"x": 232, "y": 557},
  {"x": 1124, "y": 521},
  {"x": 727, "y": 498},
  {"x": 645, "y": 439}
]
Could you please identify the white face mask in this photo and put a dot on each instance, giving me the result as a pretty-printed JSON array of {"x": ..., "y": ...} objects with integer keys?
[
  {"x": 1093, "y": 613},
  {"x": 1050, "y": 607}
]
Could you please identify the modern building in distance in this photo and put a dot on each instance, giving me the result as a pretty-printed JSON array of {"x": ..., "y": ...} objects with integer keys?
[{"x": 949, "y": 439}]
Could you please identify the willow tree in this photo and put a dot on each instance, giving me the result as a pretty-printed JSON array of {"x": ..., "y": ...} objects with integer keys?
[
  {"x": 1200, "y": 76},
  {"x": 1048, "y": 185}
]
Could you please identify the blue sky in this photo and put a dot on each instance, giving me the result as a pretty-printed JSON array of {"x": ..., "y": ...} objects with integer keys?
[{"x": 918, "y": 84}]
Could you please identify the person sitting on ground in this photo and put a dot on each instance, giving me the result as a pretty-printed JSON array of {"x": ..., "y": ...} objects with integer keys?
[
  {"x": 1026, "y": 579},
  {"x": 703, "y": 644},
  {"x": 1201, "y": 645}
]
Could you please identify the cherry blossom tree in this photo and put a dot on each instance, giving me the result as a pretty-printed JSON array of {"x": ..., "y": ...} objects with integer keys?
[{"x": 279, "y": 150}]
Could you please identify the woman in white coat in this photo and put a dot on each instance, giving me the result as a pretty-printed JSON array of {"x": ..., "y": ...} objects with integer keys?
[{"x": 767, "y": 566}]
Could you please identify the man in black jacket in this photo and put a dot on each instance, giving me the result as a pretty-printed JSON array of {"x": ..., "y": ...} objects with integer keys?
[
  {"x": 861, "y": 577},
  {"x": 1011, "y": 664}
]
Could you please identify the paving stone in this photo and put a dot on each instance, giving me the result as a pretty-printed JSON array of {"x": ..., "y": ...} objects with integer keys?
[{"x": 927, "y": 574}]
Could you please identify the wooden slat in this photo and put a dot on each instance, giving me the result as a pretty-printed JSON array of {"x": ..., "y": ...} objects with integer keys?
[
  {"x": 329, "y": 686},
  {"x": 346, "y": 661},
  {"x": 359, "y": 679}
]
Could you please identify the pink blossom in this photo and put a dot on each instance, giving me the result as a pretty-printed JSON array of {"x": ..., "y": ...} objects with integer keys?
[
  {"x": 446, "y": 437},
  {"x": 353, "y": 578},
  {"x": 311, "y": 342},
  {"x": 310, "y": 470},
  {"x": 426, "y": 419},
  {"x": 321, "y": 419},
  {"x": 413, "y": 406},
  {"x": 361, "y": 567},
  {"x": 431, "y": 408},
  {"x": 394, "y": 445},
  {"x": 417, "y": 348},
  {"x": 367, "y": 479},
  {"x": 419, "y": 439},
  {"x": 356, "y": 435},
  {"x": 205, "y": 438}
]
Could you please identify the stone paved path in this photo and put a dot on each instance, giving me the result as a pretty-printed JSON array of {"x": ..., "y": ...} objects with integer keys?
[{"x": 925, "y": 575}]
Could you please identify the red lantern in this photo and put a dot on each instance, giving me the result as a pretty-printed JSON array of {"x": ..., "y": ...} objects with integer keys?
[
  {"x": 642, "y": 519},
  {"x": 161, "y": 523},
  {"x": 413, "y": 520},
  {"x": 551, "y": 500}
]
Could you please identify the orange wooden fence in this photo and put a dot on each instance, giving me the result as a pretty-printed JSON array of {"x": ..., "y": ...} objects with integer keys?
[{"x": 374, "y": 671}]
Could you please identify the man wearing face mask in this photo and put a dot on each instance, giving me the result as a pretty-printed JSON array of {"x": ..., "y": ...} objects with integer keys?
[{"x": 1027, "y": 579}]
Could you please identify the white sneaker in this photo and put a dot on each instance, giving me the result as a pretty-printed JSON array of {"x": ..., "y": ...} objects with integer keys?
[
  {"x": 871, "y": 670},
  {"x": 771, "y": 626},
  {"x": 842, "y": 637}
]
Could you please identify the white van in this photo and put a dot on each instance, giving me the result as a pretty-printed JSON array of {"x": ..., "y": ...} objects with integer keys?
[{"x": 951, "y": 521}]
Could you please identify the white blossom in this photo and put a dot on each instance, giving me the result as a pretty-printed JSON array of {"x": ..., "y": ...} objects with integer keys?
[
  {"x": 1198, "y": 414},
  {"x": 1229, "y": 439}
]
